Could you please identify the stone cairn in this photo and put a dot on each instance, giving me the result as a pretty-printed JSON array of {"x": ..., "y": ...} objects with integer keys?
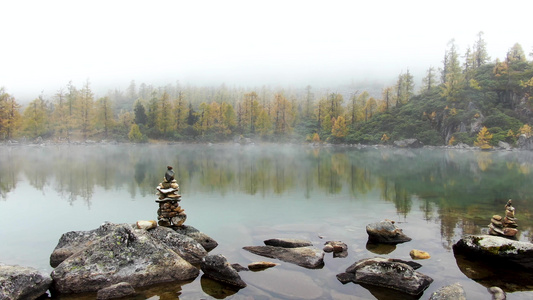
[
  {"x": 170, "y": 212},
  {"x": 504, "y": 226}
]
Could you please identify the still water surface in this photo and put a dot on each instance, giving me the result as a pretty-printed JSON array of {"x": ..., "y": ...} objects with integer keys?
[{"x": 242, "y": 195}]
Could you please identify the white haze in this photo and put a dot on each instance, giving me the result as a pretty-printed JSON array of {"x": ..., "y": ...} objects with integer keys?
[{"x": 46, "y": 44}]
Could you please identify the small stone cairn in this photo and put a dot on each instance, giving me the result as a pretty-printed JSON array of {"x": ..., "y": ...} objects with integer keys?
[
  {"x": 170, "y": 212},
  {"x": 504, "y": 226}
]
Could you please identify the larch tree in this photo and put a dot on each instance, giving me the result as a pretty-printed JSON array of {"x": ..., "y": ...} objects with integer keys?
[
  {"x": 85, "y": 109},
  {"x": 180, "y": 112},
  {"x": 483, "y": 139},
  {"x": 454, "y": 77},
  {"x": 480, "y": 54},
  {"x": 60, "y": 114},
  {"x": 339, "y": 129},
  {"x": 430, "y": 80},
  {"x": 104, "y": 115},
  {"x": 165, "y": 121},
  {"x": 36, "y": 119},
  {"x": 140, "y": 113},
  {"x": 282, "y": 115},
  {"x": 10, "y": 117}
]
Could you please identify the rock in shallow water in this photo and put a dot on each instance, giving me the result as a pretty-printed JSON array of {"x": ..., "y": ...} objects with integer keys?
[
  {"x": 450, "y": 292},
  {"x": 217, "y": 268},
  {"x": 288, "y": 243},
  {"x": 386, "y": 232},
  {"x": 306, "y": 257},
  {"x": 387, "y": 273},
  {"x": 115, "y": 291},
  {"x": 496, "y": 249},
  {"x": 23, "y": 283}
]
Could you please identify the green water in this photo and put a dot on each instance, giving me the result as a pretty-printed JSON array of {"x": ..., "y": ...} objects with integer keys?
[{"x": 242, "y": 195}]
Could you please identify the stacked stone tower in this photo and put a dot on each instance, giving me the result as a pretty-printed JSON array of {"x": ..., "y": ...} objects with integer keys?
[
  {"x": 170, "y": 212},
  {"x": 505, "y": 226}
]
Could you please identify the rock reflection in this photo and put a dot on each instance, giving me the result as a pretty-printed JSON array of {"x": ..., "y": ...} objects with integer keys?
[
  {"x": 216, "y": 289},
  {"x": 380, "y": 249},
  {"x": 491, "y": 274}
]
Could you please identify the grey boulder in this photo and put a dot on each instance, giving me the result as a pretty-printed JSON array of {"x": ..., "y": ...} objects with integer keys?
[
  {"x": 450, "y": 292},
  {"x": 124, "y": 254},
  {"x": 23, "y": 283},
  {"x": 307, "y": 257}
]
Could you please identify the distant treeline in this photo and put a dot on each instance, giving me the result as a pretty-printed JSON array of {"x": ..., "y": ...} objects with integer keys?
[{"x": 468, "y": 95}]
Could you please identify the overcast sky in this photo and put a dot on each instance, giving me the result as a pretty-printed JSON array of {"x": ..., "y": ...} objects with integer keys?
[{"x": 46, "y": 44}]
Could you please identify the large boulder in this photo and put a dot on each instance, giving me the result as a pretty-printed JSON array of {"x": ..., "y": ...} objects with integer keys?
[
  {"x": 307, "y": 257},
  {"x": 124, "y": 254},
  {"x": 524, "y": 142},
  {"x": 216, "y": 267},
  {"x": 23, "y": 283},
  {"x": 408, "y": 143},
  {"x": 496, "y": 250},
  {"x": 388, "y": 273},
  {"x": 186, "y": 247},
  {"x": 202, "y": 238},
  {"x": 385, "y": 232}
]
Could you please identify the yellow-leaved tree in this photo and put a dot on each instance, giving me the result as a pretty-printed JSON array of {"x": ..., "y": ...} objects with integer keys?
[
  {"x": 483, "y": 139},
  {"x": 339, "y": 129}
]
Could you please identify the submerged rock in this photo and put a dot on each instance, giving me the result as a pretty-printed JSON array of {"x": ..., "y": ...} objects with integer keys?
[
  {"x": 22, "y": 283},
  {"x": 496, "y": 249},
  {"x": 450, "y": 292},
  {"x": 288, "y": 243},
  {"x": 311, "y": 258},
  {"x": 114, "y": 291},
  {"x": 408, "y": 143},
  {"x": 386, "y": 232},
  {"x": 216, "y": 267},
  {"x": 386, "y": 273},
  {"x": 261, "y": 265},
  {"x": 124, "y": 254}
]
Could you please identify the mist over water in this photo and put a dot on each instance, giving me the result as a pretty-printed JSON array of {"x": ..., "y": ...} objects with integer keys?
[{"x": 242, "y": 195}]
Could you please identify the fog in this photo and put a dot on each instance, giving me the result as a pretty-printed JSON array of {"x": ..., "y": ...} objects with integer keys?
[{"x": 46, "y": 44}]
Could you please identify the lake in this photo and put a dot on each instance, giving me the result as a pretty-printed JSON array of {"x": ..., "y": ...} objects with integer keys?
[{"x": 241, "y": 195}]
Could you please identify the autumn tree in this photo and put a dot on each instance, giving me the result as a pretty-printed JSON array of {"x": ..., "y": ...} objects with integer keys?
[
  {"x": 480, "y": 54},
  {"x": 60, "y": 115},
  {"x": 36, "y": 119},
  {"x": 10, "y": 117},
  {"x": 180, "y": 112},
  {"x": 165, "y": 119},
  {"x": 339, "y": 129},
  {"x": 483, "y": 139},
  {"x": 85, "y": 109},
  {"x": 283, "y": 115},
  {"x": 104, "y": 115}
]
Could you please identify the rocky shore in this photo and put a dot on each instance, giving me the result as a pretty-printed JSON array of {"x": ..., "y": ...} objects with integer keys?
[{"x": 113, "y": 260}]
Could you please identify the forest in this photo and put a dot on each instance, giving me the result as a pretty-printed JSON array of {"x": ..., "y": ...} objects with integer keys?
[{"x": 469, "y": 99}]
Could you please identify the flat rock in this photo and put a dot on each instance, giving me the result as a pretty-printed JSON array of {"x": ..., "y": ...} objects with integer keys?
[
  {"x": 207, "y": 242},
  {"x": 288, "y": 243},
  {"x": 22, "y": 283},
  {"x": 496, "y": 249},
  {"x": 385, "y": 232},
  {"x": 387, "y": 273},
  {"x": 307, "y": 257},
  {"x": 450, "y": 292},
  {"x": 216, "y": 267},
  {"x": 124, "y": 254},
  {"x": 115, "y": 291}
]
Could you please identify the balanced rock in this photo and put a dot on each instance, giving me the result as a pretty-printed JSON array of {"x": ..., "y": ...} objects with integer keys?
[
  {"x": 216, "y": 267},
  {"x": 385, "y": 232},
  {"x": 17, "y": 282},
  {"x": 387, "y": 273},
  {"x": 505, "y": 226},
  {"x": 125, "y": 254}
]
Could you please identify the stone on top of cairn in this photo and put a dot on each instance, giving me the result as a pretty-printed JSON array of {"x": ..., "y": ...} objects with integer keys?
[
  {"x": 170, "y": 212},
  {"x": 505, "y": 226}
]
